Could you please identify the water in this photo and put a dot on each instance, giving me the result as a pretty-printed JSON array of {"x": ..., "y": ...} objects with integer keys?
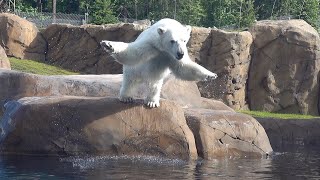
[{"x": 290, "y": 165}]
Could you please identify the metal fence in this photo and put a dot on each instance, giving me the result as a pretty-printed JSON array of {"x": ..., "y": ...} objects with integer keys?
[{"x": 44, "y": 19}]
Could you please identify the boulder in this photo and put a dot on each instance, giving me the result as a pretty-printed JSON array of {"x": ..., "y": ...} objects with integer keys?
[
  {"x": 199, "y": 44},
  {"x": 95, "y": 126},
  {"x": 83, "y": 52},
  {"x": 229, "y": 56},
  {"x": 284, "y": 72},
  {"x": 227, "y": 134},
  {"x": 4, "y": 61},
  {"x": 291, "y": 135},
  {"x": 21, "y": 38},
  {"x": 15, "y": 85}
]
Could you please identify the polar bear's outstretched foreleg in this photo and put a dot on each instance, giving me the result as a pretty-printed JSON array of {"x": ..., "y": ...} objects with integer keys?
[
  {"x": 191, "y": 71},
  {"x": 118, "y": 50},
  {"x": 129, "y": 54}
]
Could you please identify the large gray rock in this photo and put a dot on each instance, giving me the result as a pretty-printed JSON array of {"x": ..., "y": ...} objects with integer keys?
[
  {"x": 284, "y": 73},
  {"x": 4, "y": 61},
  {"x": 292, "y": 134},
  {"x": 95, "y": 126},
  {"x": 229, "y": 56},
  {"x": 21, "y": 38},
  {"x": 227, "y": 134},
  {"x": 15, "y": 85}
]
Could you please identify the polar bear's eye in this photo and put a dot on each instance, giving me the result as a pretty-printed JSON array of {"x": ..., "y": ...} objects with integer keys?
[{"x": 172, "y": 41}]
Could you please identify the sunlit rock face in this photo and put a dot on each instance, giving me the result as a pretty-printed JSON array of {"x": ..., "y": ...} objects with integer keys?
[
  {"x": 4, "y": 61},
  {"x": 15, "y": 85},
  {"x": 96, "y": 126},
  {"x": 21, "y": 38},
  {"x": 284, "y": 73},
  {"x": 59, "y": 115},
  {"x": 67, "y": 125},
  {"x": 229, "y": 55},
  {"x": 227, "y": 134}
]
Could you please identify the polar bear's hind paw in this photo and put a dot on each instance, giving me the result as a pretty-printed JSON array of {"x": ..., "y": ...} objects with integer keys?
[{"x": 126, "y": 99}]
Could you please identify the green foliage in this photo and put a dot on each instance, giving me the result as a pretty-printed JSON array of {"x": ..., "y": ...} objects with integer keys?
[
  {"x": 299, "y": 9},
  {"x": 190, "y": 12},
  {"x": 219, "y": 13},
  {"x": 34, "y": 67},
  {"x": 26, "y": 6},
  {"x": 100, "y": 11},
  {"x": 236, "y": 13},
  {"x": 187, "y": 11},
  {"x": 263, "y": 114}
]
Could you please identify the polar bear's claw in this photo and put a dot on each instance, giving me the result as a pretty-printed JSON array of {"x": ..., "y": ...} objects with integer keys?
[
  {"x": 107, "y": 46},
  {"x": 153, "y": 104},
  {"x": 126, "y": 99}
]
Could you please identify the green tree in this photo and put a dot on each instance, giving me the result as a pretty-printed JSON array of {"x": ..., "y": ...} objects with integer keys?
[
  {"x": 300, "y": 9},
  {"x": 187, "y": 11},
  {"x": 101, "y": 12},
  {"x": 222, "y": 13},
  {"x": 190, "y": 12}
]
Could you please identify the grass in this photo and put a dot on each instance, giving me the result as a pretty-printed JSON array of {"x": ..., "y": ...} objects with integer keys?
[
  {"x": 35, "y": 67},
  {"x": 263, "y": 114}
]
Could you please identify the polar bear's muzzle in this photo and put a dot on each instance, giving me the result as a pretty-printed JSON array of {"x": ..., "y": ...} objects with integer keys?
[{"x": 180, "y": 55}]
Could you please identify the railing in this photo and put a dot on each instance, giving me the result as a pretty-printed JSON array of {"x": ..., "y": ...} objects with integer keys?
[{"x": 44, "y": 19}]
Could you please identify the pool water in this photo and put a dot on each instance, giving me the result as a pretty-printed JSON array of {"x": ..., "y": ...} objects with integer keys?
[{"x": 286, "y": 165}]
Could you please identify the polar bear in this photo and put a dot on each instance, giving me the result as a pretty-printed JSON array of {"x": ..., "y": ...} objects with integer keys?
[{"x": 158, "y": 51}]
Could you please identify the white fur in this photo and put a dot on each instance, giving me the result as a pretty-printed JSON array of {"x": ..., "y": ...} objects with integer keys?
[{"x": 157, "y": 51}]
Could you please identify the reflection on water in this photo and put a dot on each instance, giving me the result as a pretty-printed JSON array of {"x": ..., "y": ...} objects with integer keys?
[{"x": 280, "y": 166}]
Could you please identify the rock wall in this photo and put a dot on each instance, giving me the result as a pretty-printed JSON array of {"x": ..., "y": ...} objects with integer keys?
[
  {"x": 272, "y": 67},
  {"x": 4, "y": 61},
  {"x": 292, "y": 135},
  {"x": 284, "y": 72},
  {"x": 78, "y": 47},
  {"x": 62, "y": 116},
  {"x": 228, "y": 56},
  {"x": 21, "y": 38}
]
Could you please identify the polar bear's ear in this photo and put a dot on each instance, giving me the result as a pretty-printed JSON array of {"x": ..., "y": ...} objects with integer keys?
[
  {"x": 162, "y": 30},
  {"x": 188, "y": 29}
]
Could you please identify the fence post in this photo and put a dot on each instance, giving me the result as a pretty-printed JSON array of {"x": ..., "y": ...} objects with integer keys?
[{"x": 54, "y": 10}]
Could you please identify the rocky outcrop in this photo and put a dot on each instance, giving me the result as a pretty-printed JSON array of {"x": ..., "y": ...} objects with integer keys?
[
  {"x": 83, "y": 52},
  {"x": 21, "y": 38},
  {"x": 227, "y": 134},
  {"x": 273, "y": 67},
  {"x": 292, "y": 134},
  {"x": 15, "y": 85},
  {"x": 100, "y": 126},
  {"x": 103, "y": 125},
  {"x": 4, "y": 61},
  {"x": 285, "y": 66},
  {"x": 91, "y": 125},
  {"x": 228, "y": 56},
  {"x": 199, "y": 44}
]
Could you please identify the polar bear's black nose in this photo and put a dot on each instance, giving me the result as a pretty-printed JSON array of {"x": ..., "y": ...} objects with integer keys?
[{"x": 180, "y": 55}]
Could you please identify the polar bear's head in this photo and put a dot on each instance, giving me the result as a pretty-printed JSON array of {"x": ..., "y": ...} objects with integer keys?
[{"x": 174, "y": 40}]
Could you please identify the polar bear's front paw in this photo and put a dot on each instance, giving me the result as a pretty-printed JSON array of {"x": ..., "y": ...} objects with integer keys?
[
  {"x": 153, "y": 104},
  {"x": 107, "y": 46},
  {"x": 126, "y": 99},
  {"x": 210, "y": 77}
]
